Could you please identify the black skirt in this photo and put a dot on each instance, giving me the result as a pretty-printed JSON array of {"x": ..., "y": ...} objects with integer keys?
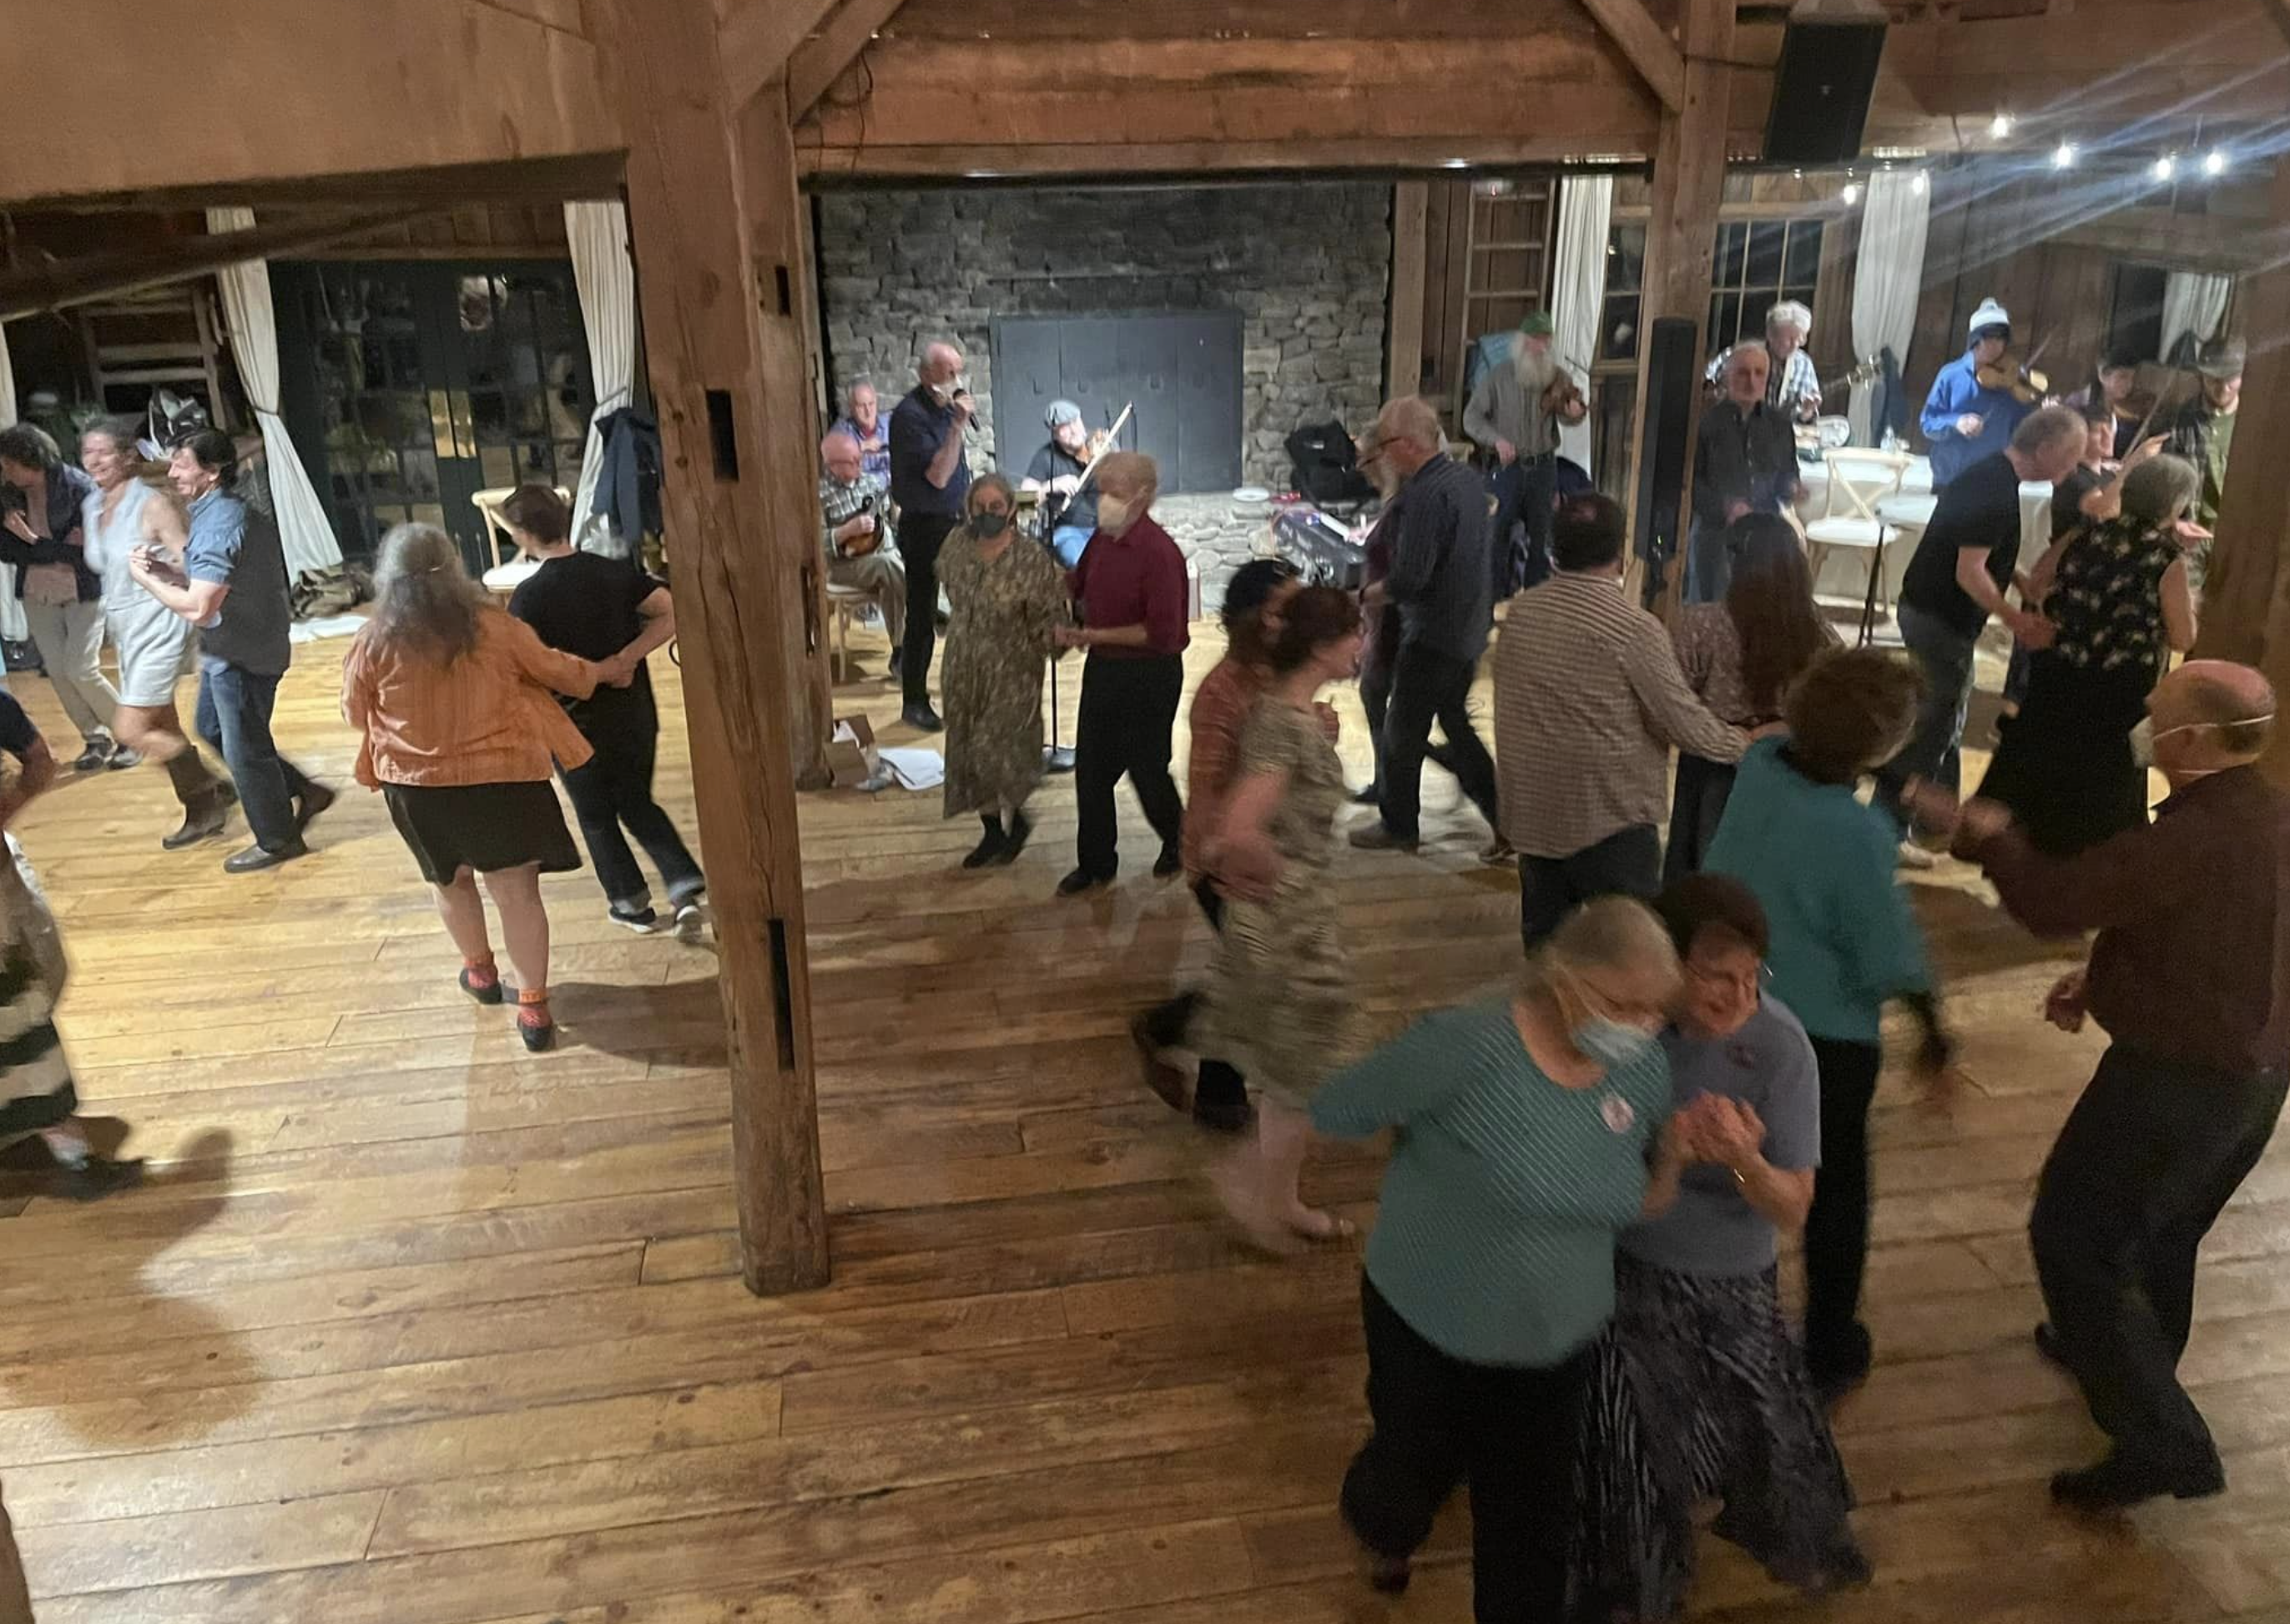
[
  {"x": 484, "y": 827},
  {"x": 2063, "y": 765}
]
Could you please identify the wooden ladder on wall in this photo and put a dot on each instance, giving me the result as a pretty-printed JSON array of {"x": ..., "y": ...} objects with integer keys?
[{"x": 162, "y": 338}]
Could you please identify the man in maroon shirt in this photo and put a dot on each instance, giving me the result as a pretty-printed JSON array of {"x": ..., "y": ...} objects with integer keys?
[
  {"x": 2189, "y": 976},
  {"x": 1130, "y": 586}
]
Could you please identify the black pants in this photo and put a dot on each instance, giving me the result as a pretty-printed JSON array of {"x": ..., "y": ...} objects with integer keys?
[
  {"x": 1127, "y": 707},
  {"x": 1171, "y": 1024},
  {"x": 920, "y": 536},
  {"x": 1508, "y": 1432},
  {"x": 1524, "y": 493},
  {"x": 1703, "y": 787},
  {"x": 1427, "y": 685},
  {"x": 2147, "y": 1160},
  {"x": 1836, "y": 1227},
  {"x": 613, "y": 790},
  {"x": 1628, "y": 862}
]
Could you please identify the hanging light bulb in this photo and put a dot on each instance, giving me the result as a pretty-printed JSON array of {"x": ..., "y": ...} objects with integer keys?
[
  {"x": 2165, "y": 167},
  {"x": 2063, "y": 155},
  {"x": 1852, "y": 193},
  {"x": 2215, "y": 163},
  {"x": 1916, "y": 183},
  {"x": 2000, "y": 125}
]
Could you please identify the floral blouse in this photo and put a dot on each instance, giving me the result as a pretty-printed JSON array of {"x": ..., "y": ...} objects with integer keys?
[{"x": 2107, "y": 599}]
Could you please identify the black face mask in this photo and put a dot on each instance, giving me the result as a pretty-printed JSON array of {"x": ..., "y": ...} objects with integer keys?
[{"x": 986, "y": 526}]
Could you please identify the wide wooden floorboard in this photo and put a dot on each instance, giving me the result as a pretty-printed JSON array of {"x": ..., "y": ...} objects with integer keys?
[{"x": 410, "y": 1327}]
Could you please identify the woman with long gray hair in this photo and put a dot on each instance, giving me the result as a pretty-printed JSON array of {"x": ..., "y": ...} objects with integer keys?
[{"x": 452, "y": 699}]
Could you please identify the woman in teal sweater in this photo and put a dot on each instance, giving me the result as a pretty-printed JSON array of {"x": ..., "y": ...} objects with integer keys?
[
  {"x": 1843, "y": 942},
  {"x": 1525, "y": 1124}
]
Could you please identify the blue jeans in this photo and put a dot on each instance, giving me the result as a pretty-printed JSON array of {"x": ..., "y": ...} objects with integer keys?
[
  {"x": 1067, "y": 541},
  {"x": 1935, "y": 749},
  {"x": 233, "y": 715}
]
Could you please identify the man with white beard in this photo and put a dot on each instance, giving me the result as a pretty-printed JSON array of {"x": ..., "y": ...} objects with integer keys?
[{"x": 1506, "y": 417}]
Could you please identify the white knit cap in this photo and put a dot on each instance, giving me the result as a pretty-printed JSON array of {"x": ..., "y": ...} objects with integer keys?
[{"x": 1989, "y": 315}]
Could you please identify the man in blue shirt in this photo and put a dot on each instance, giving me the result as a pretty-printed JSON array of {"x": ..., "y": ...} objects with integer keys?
[
  {"x": 929, "y": 478},
  {"x": 232, "y": 586},
  {"x": 1964, "y": 421}
]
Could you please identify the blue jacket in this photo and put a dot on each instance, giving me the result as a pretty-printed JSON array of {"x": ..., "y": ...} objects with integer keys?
[{"x": 1954, "y": 393}]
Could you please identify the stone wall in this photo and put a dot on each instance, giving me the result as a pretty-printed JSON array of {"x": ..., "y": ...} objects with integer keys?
[{"x": 1307, "y": 266}]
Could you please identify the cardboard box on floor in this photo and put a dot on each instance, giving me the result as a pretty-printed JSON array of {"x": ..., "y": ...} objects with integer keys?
[{"x": 850, "y": 757}]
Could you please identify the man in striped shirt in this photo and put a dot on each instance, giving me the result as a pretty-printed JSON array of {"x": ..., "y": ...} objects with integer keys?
[{"x": 1589, "y": 701}]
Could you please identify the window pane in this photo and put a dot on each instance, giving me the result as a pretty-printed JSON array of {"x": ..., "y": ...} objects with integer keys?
[
  {"x": 1764, "y": 269},
  {"x": 1733, "y": 243},
  {"x": 1802, "y": 265},
  {"x": 1724, "y": 320},
  {"x": 1619, "y": 339},
  {"x": 1626, "y": 258}
]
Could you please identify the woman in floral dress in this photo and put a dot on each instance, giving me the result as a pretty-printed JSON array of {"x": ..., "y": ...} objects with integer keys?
[
  {"x": 1278, "y": 989},
  {"x": 1008, "y": 598}
]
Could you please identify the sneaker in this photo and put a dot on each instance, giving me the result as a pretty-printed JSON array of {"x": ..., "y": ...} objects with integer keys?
[
  {"x": 1378, "y": 836},
  {"x": 643, "y": 921},
  {"x": 922, "y": 718},
  {"x": 690, "y": 919},
  {"x": 1368, "y": 795},
  {"x": 1020, "y": 825},
  {"x": 254, "y": 860},
  {"x": 123, "y": 759},
  {"x": 95, "y": 1178},
  {"x": 94, "y": 759}
]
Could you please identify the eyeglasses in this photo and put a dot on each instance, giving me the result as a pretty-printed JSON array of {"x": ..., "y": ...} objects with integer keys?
[{"x": 1702, "y": 975}]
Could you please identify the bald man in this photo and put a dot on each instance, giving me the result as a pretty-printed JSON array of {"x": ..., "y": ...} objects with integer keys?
[
  {"x": 855, "y": 517},
  {"x": 2189, "y": 976},
  {"x": 1442, "y": 582},
  {"x": 929, "y": 479}
]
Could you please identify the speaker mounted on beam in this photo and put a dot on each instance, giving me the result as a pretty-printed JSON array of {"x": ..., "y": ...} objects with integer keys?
[{"x": 1824, "y": 81}]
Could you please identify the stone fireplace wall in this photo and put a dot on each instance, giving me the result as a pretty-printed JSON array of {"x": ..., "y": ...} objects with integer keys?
[{"x": 1308, "y": 266}]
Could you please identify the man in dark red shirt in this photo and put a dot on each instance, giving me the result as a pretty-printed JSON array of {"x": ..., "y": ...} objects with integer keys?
[
  {"x": 1131, "y": 589},
  {"x": 2189, "y": 976}
]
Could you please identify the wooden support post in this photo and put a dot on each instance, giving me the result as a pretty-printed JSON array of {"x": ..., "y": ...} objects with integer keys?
[
  {"x": 1689, "y": 182},
  {"x": 733, "y": 425},
  {"x": 1411, "y": 204},
  {"x": 2245, "y": 611},
  {"x": 771, "y": 209}
]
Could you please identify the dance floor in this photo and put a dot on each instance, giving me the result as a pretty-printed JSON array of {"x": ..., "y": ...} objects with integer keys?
[{"x": 409, "y": 1327}]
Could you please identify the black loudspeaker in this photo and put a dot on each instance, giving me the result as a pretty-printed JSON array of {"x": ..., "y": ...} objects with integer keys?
[
  {"x": 1821, "y": 87},
  {"x": 1664, "y": 450}
]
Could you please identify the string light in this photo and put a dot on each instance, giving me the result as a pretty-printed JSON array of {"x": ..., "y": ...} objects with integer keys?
[
  {"x": 2165, "y": 167},
  {"x": 1916, "y": 183},
  {"x": 2000, "y": 125},
  {"x": 2215, "y": 163},
  {"x": 1852, "y": 193},
  {"x": 2063, "y": 155}
]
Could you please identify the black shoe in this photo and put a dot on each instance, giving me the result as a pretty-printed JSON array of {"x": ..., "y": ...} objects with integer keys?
[
  {"x": 315, "y": 800},
  {"x": 988, "y": 847},
  {"x": 94, "y": 759},
  {"x": 1167, "y": 1083},
  {"x": 256, "y": 859},
  {"x": 1081, "y": 880},
  {"x": 2121, "y": 1481},
  {"x": 122, "y": 759},
  {"x": 484, "y": 992},
  {"x": 898, "y": 665},
  {"x": 2048, "y": 1344},
  {"x": 94, "y": 1179},
  {"x": 1839, "y": 1362},
  {"x": 204, "y": 821},
  {"x": 1377, "y": 835},
  {"x": 1020, "y": 825},
  {"x": 1368, "y": 795},
  {"x": 1390, "y": 1575},
  {"x": 922, "y": 718},
  {"x": 537, "y": 1039},
  {"x": 643, "y": 921},
  {"x": 1171, "y": 860}
]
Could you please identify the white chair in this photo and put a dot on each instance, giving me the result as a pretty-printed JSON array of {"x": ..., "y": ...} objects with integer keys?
[
  {"x": 509, "y": 570},
  {"x": 844, "y": 604},
  {"x": 1858, "y": 480}
]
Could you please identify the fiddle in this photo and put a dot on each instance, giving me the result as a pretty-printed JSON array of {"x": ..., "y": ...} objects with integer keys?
[
  {"x": 1563, "y": 398},
  {"x": 2016, "y": 378}
]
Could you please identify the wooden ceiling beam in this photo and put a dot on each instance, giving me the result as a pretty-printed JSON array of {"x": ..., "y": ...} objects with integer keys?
[
  {"x": 758, "y": 37},
  {"x": 819, "y": 62},
  {"x": 526, "y": 180},
  {"x": 1634, "y": 31},
  {"x": 61, "y": 283}
]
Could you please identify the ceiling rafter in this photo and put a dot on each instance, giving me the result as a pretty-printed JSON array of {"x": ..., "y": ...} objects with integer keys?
[
  {"x": 1641, "y": 39},
  {"x": 759, "y": 37},
  {"x": 819, "y": 62}
]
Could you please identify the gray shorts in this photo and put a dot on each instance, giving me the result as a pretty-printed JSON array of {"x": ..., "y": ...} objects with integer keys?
[{"x": 155, "y": 645}]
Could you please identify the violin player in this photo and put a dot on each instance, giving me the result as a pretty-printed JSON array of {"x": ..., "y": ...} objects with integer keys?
[
  {"x": 1978, "y": 399},
  {"x": 1792, "y": 386},
  {"x": 2115, "y": 388},
  {"x": 1516, "y": 412},
  {"x": 1056, "y": 472}
]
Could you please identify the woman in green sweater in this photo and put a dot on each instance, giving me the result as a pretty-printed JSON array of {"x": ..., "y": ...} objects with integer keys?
[
  {"x": 1530, "y": 1131},
  {"x": 1844, "y": 942}
]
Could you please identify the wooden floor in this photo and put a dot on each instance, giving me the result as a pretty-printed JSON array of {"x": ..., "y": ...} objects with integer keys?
[{"x": 410, "y": 1328}]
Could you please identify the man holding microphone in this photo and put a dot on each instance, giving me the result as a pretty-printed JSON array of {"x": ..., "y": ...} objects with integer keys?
[{"x": 930, "y": 476}]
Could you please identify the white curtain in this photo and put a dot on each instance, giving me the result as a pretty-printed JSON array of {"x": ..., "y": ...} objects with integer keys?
[
  {"x": 1577, "y": 289},
  {"x": 11, "y": 612},
  {"x": 2194, "y": 303},
  {"x": 1887, "y": 276},
  {"x": 602, "y": 269},
  {"x": 305, "y": 531}
]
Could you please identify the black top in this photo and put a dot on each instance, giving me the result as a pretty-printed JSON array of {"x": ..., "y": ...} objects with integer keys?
[
  {"x": 588, "y": 604},
  {"x": 1981, "y": 508},
  {"x": 1053, "y": 461},
  {"x": 17, "y": 733},
  {"x": 919, "y": 426},
  {"x": 1740, "y": 459},
  {"x": 1442, "y": 580},
  {"x": 2066, "y": 501},
  {"x": 66, "y": 489}
]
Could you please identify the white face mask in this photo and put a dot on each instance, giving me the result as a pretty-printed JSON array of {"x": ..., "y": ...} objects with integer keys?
[
  {"x": 1115, "y": 515},
  {"x": 2143, "y": 737}
]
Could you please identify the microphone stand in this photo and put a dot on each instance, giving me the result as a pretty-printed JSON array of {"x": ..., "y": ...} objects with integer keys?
[{"x": 1055, "y": 758}]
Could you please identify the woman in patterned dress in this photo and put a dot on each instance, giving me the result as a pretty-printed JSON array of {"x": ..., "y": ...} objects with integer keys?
[
  {"x": 1741, "y": 655},
  {"x": 1697, "y": 1390},
  {"x": 1278, "y": 989},
  {"x": 2120, "y": 600},
  {"x": 1008, "y": 598}
]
